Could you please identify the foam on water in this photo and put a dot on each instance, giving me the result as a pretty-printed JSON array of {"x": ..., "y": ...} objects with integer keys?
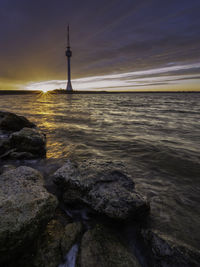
[{"x": 70, "y": 258}]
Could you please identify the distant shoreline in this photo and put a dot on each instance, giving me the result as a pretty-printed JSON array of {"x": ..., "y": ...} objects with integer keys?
[{"x": 25, "y": 92}]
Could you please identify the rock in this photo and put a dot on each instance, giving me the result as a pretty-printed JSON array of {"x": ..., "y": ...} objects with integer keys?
[
  {"x": 49, "y": 251},
  {"x": 167, "y": 254},
  {"x": 25, "y": 142},
  {"x": 117, "y": 202},
  {"x": 25, "y": 208},
  {"x": 29, "y": 140},
  {"x": 71, "y": 235},
  {"x": 12, "y": 122},
  {"x": 109, "y": 192},
  {"x": 101, "y": 248}
]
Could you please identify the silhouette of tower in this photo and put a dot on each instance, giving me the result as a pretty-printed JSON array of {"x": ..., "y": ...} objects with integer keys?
[{"x": 68, "y": 55}]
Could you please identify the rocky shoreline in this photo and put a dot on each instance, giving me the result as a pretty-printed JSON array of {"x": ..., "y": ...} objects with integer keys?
[{"x": 79, "y": 215}]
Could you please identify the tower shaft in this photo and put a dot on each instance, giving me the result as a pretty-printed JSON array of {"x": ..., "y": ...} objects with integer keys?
[
  {"x": 69, "y": 85},
  {"x": 68, "y": 55}
]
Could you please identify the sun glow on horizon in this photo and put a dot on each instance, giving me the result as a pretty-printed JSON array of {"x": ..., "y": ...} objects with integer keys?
[
  {"x": 167, "y": 78},
  {"x": 44, "y": 90}
]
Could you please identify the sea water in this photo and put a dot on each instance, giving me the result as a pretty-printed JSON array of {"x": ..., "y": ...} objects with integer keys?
[{"x": 154, "y": 136}]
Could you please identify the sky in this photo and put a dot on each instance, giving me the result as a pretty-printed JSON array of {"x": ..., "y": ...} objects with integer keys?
[{"x": 116, "y": 45}]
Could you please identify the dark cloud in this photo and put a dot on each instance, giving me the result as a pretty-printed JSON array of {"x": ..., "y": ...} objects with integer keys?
[{"x": 106, "y": 36}]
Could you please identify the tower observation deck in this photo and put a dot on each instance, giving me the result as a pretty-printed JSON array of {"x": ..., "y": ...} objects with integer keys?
[{"x": 68, "y": 55}]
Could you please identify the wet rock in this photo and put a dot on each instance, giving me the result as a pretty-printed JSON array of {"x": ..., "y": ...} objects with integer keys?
[
  {"x": 12, "y": 122},
  {"x": 117, "y": 202},
  {"x": 100, "y": 247},
  {"x": 49, "y": 251},
  {"x": 25, "y": 208},
  {"x": 71, "y": 235},
  {"x": 29, "y": 140},
  {"x": 109, "y": 192},
  {"x": 20, "y": 139},
  {"x": 167, "y": 254}
]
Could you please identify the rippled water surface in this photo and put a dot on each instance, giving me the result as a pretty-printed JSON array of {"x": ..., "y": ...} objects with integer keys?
[{"x": 155, "y": 136}]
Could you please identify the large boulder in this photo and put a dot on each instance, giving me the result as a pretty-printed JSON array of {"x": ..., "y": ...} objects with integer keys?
[
  {"x": 30, "y": 141},
  {"x": 101, "y": 248},
  {"x": 12, "y": 122},
  {"x": 25, "y": 209},
  {"x": 109, "y": 192},
  {"x": 19, "y": 138}
]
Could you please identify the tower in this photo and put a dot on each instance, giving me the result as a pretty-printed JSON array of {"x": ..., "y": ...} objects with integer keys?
[{"x": 68, "y": 55}]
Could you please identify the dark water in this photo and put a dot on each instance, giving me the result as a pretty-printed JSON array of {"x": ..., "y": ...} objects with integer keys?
[{"x": 155, "y": 136}]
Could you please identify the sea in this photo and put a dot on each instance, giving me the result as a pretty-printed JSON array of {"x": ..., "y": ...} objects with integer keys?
[{"x": 154, "y": 136}]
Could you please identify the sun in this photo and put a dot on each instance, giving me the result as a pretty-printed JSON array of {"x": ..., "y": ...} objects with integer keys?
[{"x": 44, "y": 90}]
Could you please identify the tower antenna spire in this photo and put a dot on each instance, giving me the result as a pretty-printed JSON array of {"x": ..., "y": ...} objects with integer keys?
[{"x": 68, "y": 41}]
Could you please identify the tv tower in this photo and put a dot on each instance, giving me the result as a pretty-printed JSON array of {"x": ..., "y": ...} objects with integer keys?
[{"x": 68, "y": 55}]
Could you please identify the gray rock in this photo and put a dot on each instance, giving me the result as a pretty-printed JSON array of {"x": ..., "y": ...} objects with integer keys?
[
  {"x": 101, "y": 248},
  {"x": 12, "y": 122},
  {"x": 165, "y": 253},
  {"x": 25, "y": 208},
  {"x": 20, "y": 139},
  {"x": 109, "y": 192},
  {"x": 30, "y": 141}
]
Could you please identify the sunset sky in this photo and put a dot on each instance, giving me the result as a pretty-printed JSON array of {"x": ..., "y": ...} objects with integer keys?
[{"x": 116, "y": 45}]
